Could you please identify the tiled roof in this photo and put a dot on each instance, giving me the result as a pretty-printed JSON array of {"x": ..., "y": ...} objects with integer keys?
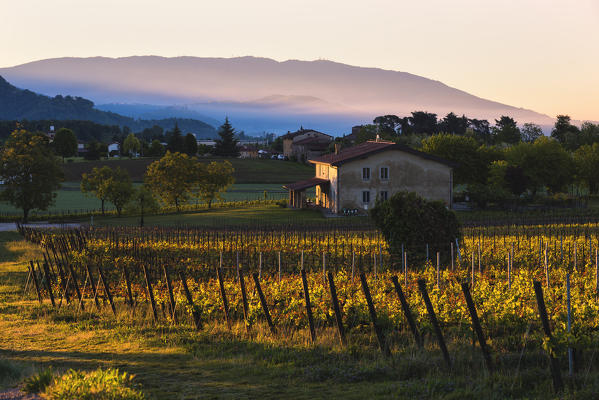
[
  {"x": 308, "y": 183},
  {"x": 291, "y": 135},
  {"x": 365, "y": 149}
]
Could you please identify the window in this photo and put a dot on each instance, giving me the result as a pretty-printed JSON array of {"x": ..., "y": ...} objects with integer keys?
[
  {"x": 384, "y": 173},
  {"x": 366, "y": 174},
  {"x": 366, "y": 197},
  {"x": 384, "y": 195}
]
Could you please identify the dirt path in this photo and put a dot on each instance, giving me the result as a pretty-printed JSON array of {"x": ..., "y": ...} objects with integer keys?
[
  {"x": 11, "y": 226},
  {"x": 16, "y": 394}
]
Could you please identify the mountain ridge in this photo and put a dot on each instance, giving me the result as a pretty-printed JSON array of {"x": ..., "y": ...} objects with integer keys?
[
  {"x": 361, "y": 93},
  {"x": 24, "y": 104}
]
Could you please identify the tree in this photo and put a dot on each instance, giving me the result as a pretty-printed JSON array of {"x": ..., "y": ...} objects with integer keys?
[
  {"x": 481, "y": 130},
  {"x": 423, "y": 122},
  {"x": 131, "y": 145},
  {"x": 531, "y": 132},
  {"x": 409, "y": 221},
  {"x": 96, "y": 183},
  {"x": 545, "y": 162},
  {"x": 387, "y": 125},
  {"x": 156, "y": 149},
  {"x": 565, "y": 133},
  {"x": 366, "y": 133},
  {"x": 142, "y": 201},
  {"x": 214, "y": 179},
  {"x": 30, "y": 171},
  {"x": 65, "y": 143},
  {"x": 175, "y": 140},
  {"x": 506, "y": 130},
  {"x": 472, "y": 160},
  {"x": 95, "y": 150},
  {"x": 454, "y": 124},
  {"x": 172, "y": 178},
  {"x": 191, "y": 144},
  {"x": 226, "y": 146},
  {"x": 586, "y": 159},
  {"x": 119, "y": 188}
]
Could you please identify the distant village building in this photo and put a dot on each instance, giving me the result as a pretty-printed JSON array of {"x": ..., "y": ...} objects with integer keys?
[
  {"x": 206, "y": 142},
  {"x": 355, "y": 177},
  {"x": 248, "y": 151},
  {"x": 305, "y": 144},
  {"x": 114, "y": 149}
]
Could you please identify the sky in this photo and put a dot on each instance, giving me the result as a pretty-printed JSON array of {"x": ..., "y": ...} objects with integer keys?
[{"x": 536, "y": 54}]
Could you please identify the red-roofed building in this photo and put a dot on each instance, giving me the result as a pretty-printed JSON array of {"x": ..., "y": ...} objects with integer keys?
[
  {"x": 353, "y": 178},
  {"x": 305, "y": 144}
]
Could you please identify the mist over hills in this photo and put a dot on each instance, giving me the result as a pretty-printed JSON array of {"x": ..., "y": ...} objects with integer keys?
[
  {"x": 19, "y": 104},
  {"x": 258, "y": 93}
]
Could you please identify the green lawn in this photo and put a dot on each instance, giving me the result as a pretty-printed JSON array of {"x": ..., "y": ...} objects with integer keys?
[
  {"x": 219, "y": 217},
  {"x": 70, "y": 198}
]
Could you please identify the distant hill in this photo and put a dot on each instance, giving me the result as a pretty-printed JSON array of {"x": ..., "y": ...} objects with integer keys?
[
  {"x": 18, "y": 104},
  {"x": 260, "y": 92}
]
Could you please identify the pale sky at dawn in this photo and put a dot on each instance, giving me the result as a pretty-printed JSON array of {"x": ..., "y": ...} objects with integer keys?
[{"x": 542, "y": 55}]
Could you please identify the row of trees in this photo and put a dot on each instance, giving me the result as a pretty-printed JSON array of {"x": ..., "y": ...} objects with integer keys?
[
  {"x": 173, "y": 180},
  {"x": 149, "y": 143},
  {"x": 505, "y": 131},
  {"x": 494, "y": 173},
  {"x": 31, "y": 174}
]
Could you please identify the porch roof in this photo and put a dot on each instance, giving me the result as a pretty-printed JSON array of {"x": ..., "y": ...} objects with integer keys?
[{"x": 308, "y": 183}]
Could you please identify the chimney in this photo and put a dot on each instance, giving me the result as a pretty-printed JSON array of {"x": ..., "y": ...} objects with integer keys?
[{"x": 337, "y": 148}]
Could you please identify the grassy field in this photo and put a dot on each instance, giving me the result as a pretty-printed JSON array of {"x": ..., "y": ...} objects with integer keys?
[
  {"x": 219, "y": 217},
  {"x": 70, "y": 198},
  {"x": 254, "y": 171}
]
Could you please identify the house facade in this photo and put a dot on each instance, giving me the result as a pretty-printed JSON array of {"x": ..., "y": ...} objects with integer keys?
[
  {"x": 305, "y": 144},
  {"x": 354, "y": 178}
]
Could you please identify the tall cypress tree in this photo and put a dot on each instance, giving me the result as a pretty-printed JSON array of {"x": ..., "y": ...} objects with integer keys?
[
  {"x": 226, "y": 146},
  {"x": 176, "y": 140}
]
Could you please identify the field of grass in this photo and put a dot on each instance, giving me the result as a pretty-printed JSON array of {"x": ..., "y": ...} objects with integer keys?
[
  {"x": 70, "y": 198},
  {"x": 246, "y": 170},
  {"x": 219, "y": 217}
]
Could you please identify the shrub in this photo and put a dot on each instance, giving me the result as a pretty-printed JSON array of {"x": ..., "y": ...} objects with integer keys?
[
  {"x": 100, "y": 384},
  {"x": 409, "y": 220},
  {"x": 39, "y": 382}
]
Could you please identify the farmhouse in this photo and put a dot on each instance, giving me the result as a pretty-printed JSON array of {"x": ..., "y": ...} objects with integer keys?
[
  {"x": 355, "y": 177},
  {"x": 305, "y": 143}
]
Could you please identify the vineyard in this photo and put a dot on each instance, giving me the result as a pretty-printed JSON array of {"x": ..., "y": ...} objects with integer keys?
[{"x": 519, "y": 293}]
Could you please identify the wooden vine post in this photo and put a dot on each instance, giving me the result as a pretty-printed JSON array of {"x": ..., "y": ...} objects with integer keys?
[
  {"x": 171, "y": 297},
  {"x": 337, "y": 310},
  {"x": 92, "y": 285},
  {"x": 35, "y": 282},
  {"x": 273, "y": 330},
  {"x": 407, "y": 312},
  {"x": 433, "y": 318},
  {"x": 223, "y": 295},
  {"x": 377, "y": 329},
  {"x": 106, "y": 289},
  {"x": 308, "y": 306},
  {"x": 150, "y": 292},
  {"x": 476, "y": 326},
  {"x": 558, "y": 384},
  {"x": 196, "y": 316},
  {"x": 48, "y": 283},
  {"x": 244, "y": 298}
]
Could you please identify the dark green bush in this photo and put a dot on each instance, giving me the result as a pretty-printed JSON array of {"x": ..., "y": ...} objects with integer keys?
[{"x": 409, "y": 220}]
